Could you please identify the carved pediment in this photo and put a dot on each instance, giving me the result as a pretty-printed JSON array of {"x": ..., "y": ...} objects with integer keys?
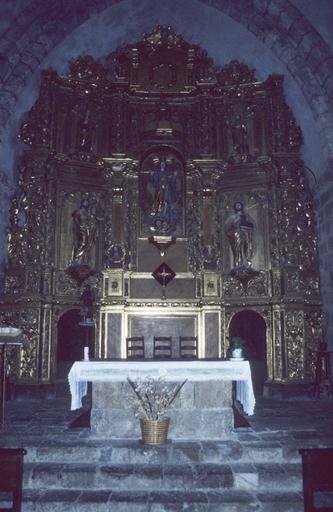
[
  {"x": 163, "y": 60},
  {"x": 161, "y": 90},
  {"x": 235, "y": 73},
  {"x": 86, "y": 68}
]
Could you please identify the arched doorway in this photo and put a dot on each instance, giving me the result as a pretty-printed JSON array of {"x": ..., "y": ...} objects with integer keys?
[
  {"x": 70, "y": 342},
  {"x": 251, "y": 327}
]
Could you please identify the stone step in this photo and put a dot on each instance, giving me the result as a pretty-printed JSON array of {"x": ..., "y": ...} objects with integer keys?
[
  {"x": 228, "y": 500},
  {"x": 244, "y": 476},
  {"x": 173, "y": 452}
]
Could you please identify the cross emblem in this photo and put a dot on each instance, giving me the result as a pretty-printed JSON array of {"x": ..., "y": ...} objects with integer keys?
[{"x": 163, "y": 274}]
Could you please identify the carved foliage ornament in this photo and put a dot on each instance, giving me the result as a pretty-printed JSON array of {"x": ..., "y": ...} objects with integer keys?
[
  {"x": 243, "y": 283},
  {"x": 313, "y": 332},
  {"x": 87, "y": 68},
  {"x": 235, "y": 73},
  {"x": 286, "y": 134},
  {"x": 194, "y": 219},
  {"x": 130, "y": 199},
  {"x": 32, "y": 216},
  {"x": 28, "y": 321},
  {"x": 294, "y": 335},
  {"x": 163, "y": 36},
  {"x": 298, "y": 243}
]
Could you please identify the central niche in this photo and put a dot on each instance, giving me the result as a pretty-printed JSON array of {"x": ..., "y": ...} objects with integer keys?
[{"x": 161, "y": 195}]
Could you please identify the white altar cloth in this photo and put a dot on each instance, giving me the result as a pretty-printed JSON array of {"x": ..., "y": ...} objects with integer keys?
[{"x": 83, "y": 372}]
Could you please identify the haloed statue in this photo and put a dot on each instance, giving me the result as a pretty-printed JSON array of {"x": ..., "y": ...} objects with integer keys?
[{"x": 161, "y": 199}]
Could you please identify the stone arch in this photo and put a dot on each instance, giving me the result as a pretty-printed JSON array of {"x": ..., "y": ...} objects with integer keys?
[
  {"x": 251, "y": 326},
  {"x": 69, "y": 342}
]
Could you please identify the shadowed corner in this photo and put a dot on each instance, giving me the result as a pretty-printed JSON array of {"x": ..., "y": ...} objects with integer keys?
[
  {"x": 81, "y": 421},
  {"x": 239, "y": 419}
]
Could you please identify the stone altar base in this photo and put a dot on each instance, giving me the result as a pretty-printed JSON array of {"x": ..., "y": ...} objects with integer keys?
[{"x": 202, "y": 410}]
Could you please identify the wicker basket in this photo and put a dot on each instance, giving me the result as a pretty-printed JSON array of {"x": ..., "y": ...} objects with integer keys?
[{"x": 154, "y": 431}]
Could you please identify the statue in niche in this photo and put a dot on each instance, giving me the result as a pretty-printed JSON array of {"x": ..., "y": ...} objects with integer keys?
[
  {"x": 84, "y": 230},
  {"x": 160, "y": 190},
  {"x": 87, "y": 304},
  {"x": 116, "y": 253},
  {"x": 85, "y": 141},
  {"x": 238, "y": 128},
  {"x": 161, "y": 197},
  {"x": 239, "y": 228},
  {"x": 238, "y": 131},
  {"x": 209, "y": 253}
]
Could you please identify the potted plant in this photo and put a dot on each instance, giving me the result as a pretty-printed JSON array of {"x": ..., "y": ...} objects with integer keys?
[
  {"x": 152, "y": 399},
  {"x": 236, "y": 347}
]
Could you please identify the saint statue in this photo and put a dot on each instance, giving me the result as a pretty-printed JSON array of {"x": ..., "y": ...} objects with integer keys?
[
  {"x": 84, "y": 227},
  {"x": 239, "y": 136},
  {"x": 164, "y": 188},
  {"x": 87, "y": 304},
  {"x": 161, "y": 195},
  {"x": 240, "y": 235},
  {"x": 85, "y": 138},
  {"x": 161, "y": 186},
  {"x": 85, "y": 130}
]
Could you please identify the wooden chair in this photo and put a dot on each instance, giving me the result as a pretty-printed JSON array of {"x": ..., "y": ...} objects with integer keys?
[
  {"x": 135, "y": 347},
  {"x": 162, "y": 347},
  {"x": 317, "y": 465},
  {"x": 11, "y": 475},
  {"x": 188, "y": 347}
]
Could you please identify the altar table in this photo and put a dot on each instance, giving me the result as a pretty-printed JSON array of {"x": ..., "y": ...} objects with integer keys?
[{"x": 202, "y": 410}]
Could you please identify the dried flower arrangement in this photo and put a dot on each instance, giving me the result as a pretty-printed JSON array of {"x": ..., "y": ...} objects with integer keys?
[{"x": 153, "y": 397}]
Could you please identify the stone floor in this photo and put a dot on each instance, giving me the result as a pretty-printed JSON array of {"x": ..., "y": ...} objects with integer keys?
[
  {"x": 256, "y": 468},
  {"x": 47, "y": 417}
]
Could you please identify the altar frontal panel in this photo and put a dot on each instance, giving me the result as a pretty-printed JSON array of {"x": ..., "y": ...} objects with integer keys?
[{"x": 202, "y": 410}]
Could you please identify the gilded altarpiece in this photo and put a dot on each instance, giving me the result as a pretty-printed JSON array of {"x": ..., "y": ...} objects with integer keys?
[{"x": 154, "y": 155}]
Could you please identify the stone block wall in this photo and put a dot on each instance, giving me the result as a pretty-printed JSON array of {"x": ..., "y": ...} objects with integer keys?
[
  {"x": 202, "y": 410},
  {"x": 324, "y": 206}
]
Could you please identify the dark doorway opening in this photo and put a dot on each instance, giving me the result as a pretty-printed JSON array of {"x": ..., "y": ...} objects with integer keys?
[
  {"x": 251, "y": 327},
  {"x": 70, "y": 342}
]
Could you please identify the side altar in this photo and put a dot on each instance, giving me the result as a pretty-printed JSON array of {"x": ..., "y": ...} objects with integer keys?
[{"x": 203, "y": 409}]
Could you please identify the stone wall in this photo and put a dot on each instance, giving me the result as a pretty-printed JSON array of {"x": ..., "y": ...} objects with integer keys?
[
  {"x": 324, "y": 205},
  {"x": 202, "y": 410}
]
